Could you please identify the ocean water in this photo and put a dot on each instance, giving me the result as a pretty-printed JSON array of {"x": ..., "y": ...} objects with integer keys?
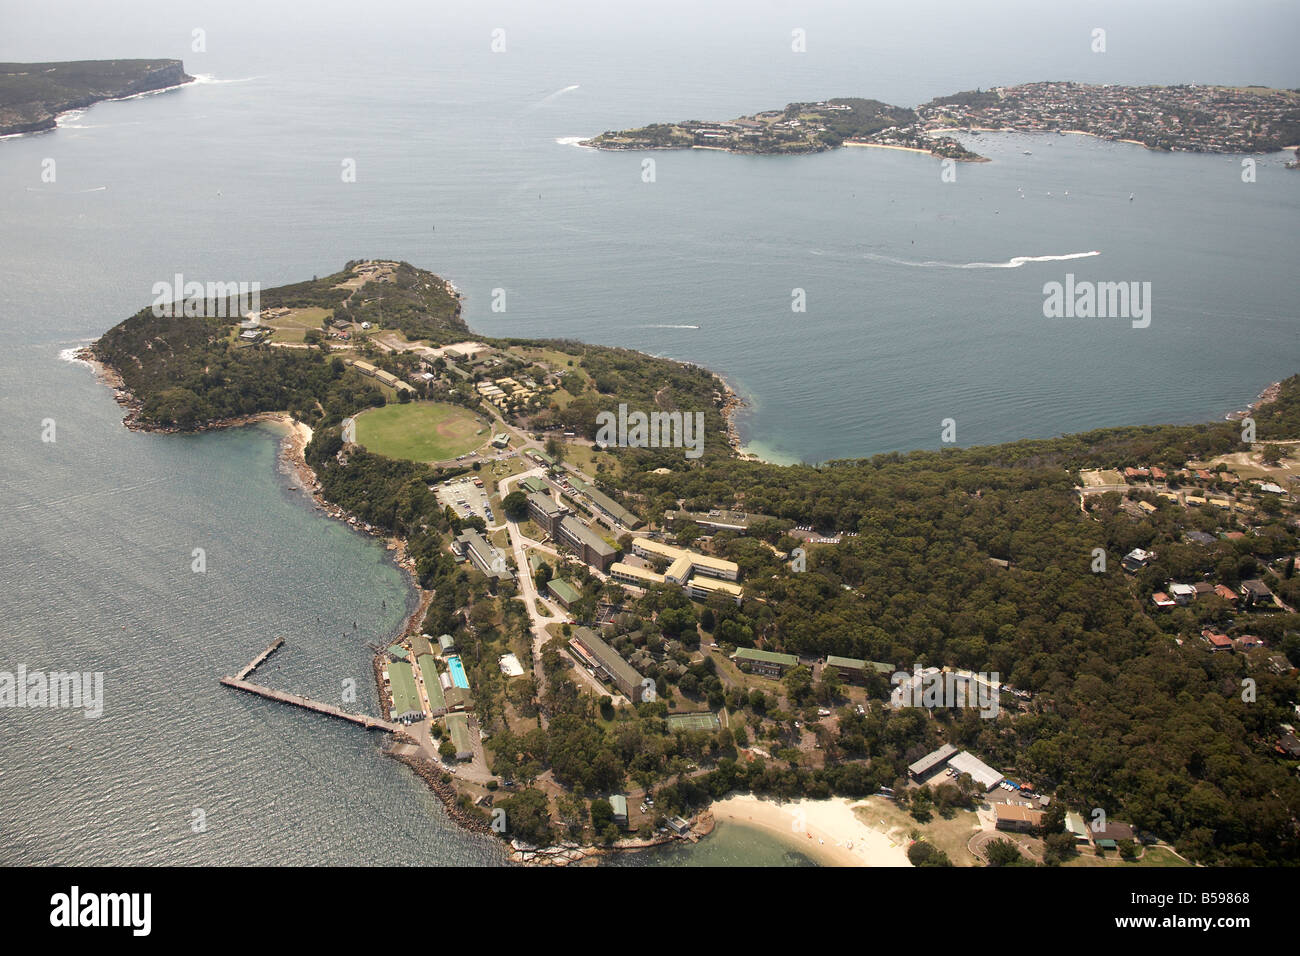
[{"x": 924, "y": 302}]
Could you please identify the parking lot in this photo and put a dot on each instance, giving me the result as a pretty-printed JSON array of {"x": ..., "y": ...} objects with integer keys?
[{"x": 466, "y": 498}]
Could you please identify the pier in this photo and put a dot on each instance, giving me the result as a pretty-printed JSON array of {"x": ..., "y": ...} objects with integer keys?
[
  {"x": 297, "y": 700},
  {"x": 260, "y": 659}
]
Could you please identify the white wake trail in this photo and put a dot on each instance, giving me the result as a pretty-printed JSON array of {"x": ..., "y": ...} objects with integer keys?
[{"x": 1015, "y": 262}]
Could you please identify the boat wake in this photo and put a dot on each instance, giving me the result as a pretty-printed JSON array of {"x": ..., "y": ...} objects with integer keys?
[
  {"x": 557, "y": 94},
  {"x": 205, "y": 79},
  {"x": 92, "y": 189},
  {"x": 573, "y": 141},
  {"x": 667, "y": 326},
  {"x": 1015, "y": 262}
]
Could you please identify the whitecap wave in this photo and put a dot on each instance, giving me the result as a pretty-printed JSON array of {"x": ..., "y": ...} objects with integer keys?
[
  {"x": 1015, "y": 262},
  {"x": 71, "y": 355},
  {"x": 573, "y": 141}
]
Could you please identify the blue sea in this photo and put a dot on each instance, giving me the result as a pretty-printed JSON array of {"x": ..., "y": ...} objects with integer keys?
[{"x": 924, "y": 301}]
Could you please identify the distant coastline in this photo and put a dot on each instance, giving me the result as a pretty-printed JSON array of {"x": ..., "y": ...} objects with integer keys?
[
  {"x": 1225, "y": 120},
  {"x": 34, "y": 95}
]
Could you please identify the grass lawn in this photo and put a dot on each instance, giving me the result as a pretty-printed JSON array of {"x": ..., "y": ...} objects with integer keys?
[
  {"x": 494, "y": 472},
  {"x": 419, "y": 431}
]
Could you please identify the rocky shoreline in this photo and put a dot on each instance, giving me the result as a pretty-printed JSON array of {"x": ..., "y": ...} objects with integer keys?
[
  {"x": 732, "y": 403},
  {"x": 1266, "y": 397}
]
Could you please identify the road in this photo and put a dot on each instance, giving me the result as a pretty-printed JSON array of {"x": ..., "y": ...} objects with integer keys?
[{"x": 527, "y": 586}]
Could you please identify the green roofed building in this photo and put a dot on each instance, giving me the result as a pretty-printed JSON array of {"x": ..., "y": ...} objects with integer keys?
[
  {"x": 458, "y": 729},
  {"x": 564, "y": 592},
  {"x": 606, "y": 663},
  {"x": 767, "y": 663},
  {"x": 457, "y": 698},
  {"x": 855, "y": 671},
  {"x": 618, "y": 803},
  {"x": 406, "y": 702},
  {"x": 534, "y": 485},
  {"x": 398, "y": 653},
  {"x": 610, "y": 508},
  {"x": 432, "y": 686}
]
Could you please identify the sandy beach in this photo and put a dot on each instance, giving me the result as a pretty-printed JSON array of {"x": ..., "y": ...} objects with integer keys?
[
  {"x": 827, "y": 831},
  {"x": 906, "y": 149}
]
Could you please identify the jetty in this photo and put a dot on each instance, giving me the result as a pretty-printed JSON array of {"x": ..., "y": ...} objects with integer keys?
[
  {"x": 260, "y": 659},
  {"x": 298, "y": 700}
]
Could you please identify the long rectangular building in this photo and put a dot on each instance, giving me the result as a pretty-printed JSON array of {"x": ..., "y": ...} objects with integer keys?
[
  {"x": 980, "y": 772},
  {"x": 432, "y": 685},
  {"x": 855, "y": 671},
  {"x": 767, "y": 663},
  {"x": 458, "y": 729},
  {"x": 406, "y": 702},
  {"x": 591, "y": 547},
  {"x": 702, "y": 588},
  {"x": 482, "y": 555},
  {"x": 631, "y": 574},
  {"x": 931, "y": 761},
  {"x": 610, "y": 508},
  {"x": 543, "y": 509},
  {"x": 606, "y": 662}
]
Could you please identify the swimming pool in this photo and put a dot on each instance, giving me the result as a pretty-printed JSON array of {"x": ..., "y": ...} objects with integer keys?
[{"x": 457, "y": 671}]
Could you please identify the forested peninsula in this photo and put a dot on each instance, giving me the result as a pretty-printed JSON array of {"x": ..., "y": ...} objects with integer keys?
[
  {"x": 32, "y": 95},
  {"x": 980, "y": 559}
]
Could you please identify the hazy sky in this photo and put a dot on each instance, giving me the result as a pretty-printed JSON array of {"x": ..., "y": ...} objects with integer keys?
[{"x": 913, "y": 49}]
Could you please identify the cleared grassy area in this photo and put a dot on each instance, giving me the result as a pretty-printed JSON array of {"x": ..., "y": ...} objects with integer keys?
[
  {"x": 293, "y": 327},
  {"x": 1157, "y": 856},
  {"x": 419, "y": 431},
  {"x": 585, "y": 458},
  {"x": 949, "y": 835}
]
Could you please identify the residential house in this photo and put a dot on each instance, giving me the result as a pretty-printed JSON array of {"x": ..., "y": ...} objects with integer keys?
[
  {"x": 1017, "y": 819},
  {"x": 1255, "y": 593}
]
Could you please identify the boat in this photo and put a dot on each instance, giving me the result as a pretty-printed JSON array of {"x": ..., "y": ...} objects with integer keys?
[{"x": 1028, "y": 153}]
